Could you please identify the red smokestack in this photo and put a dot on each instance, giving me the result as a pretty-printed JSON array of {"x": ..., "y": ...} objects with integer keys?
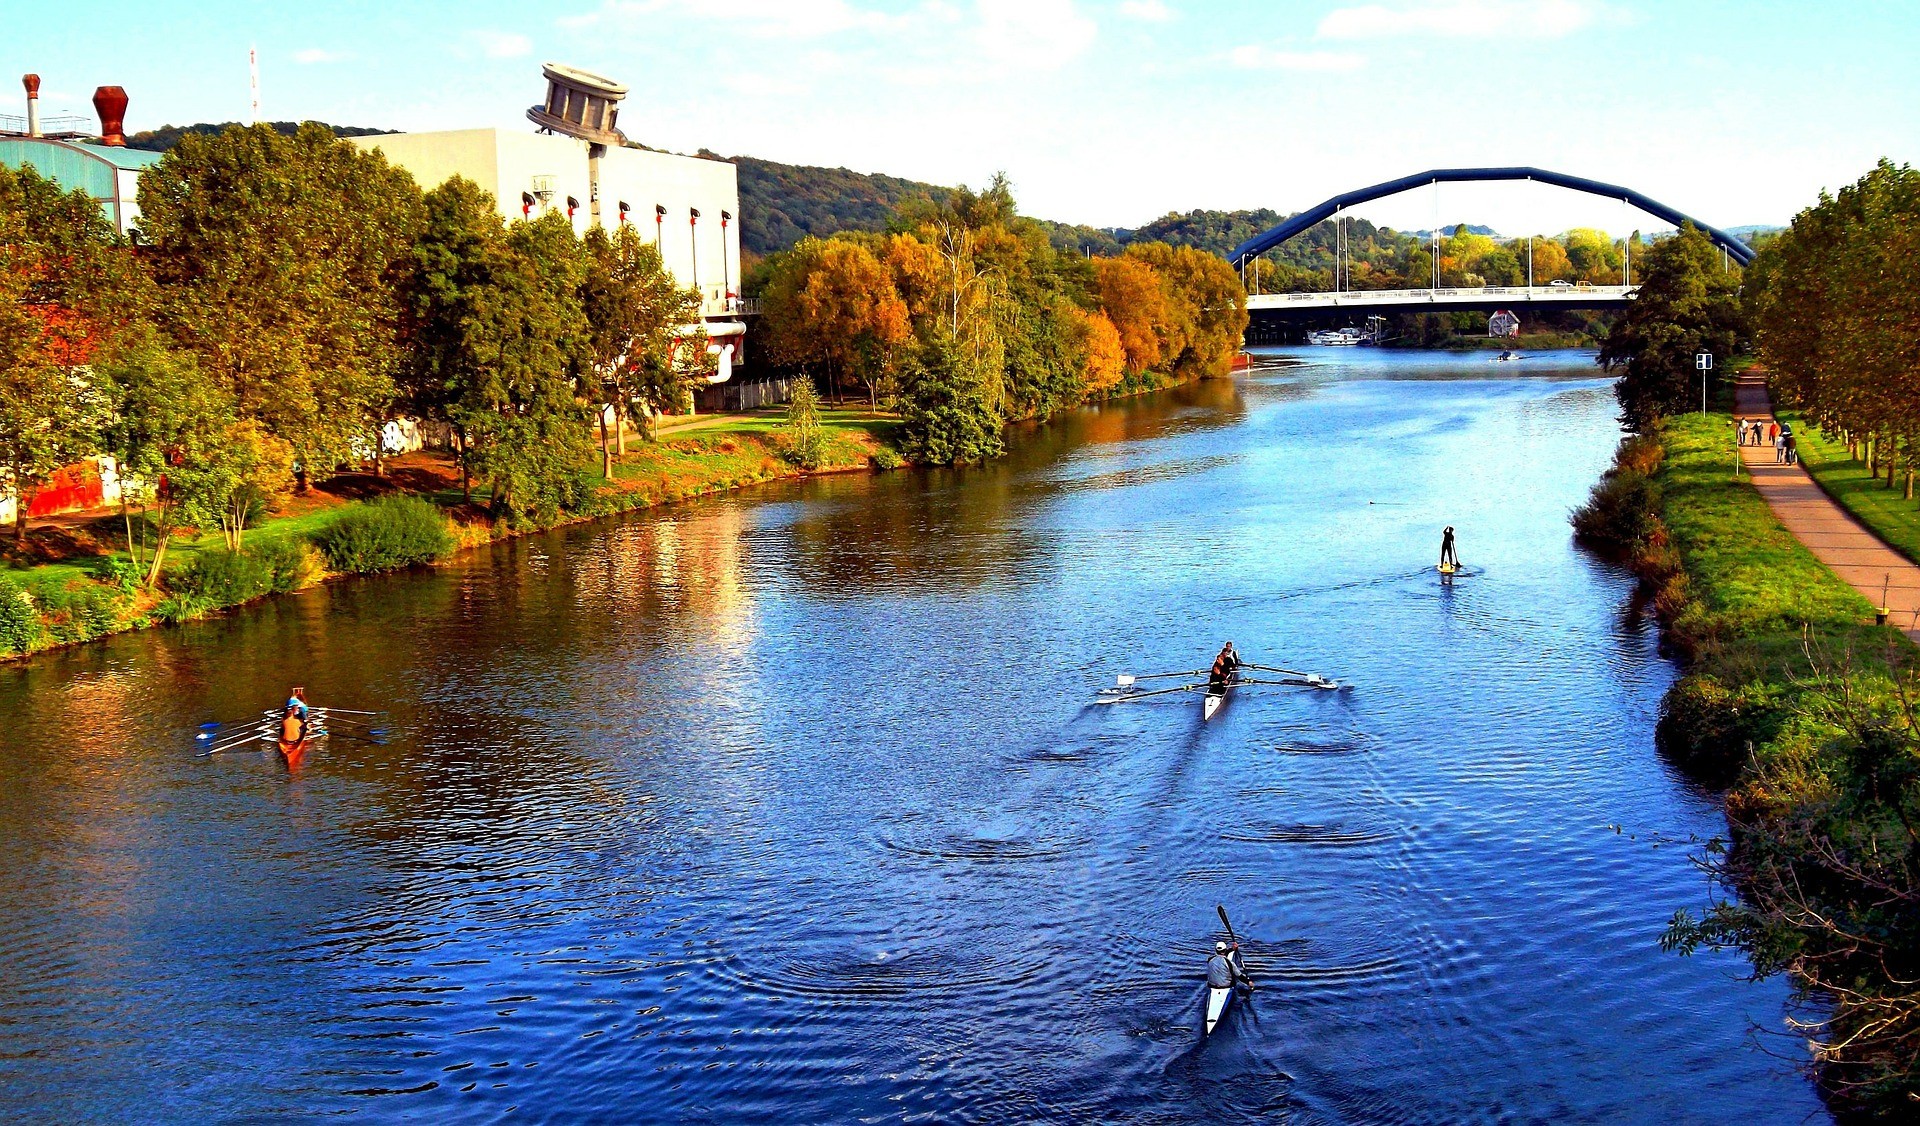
[{"x": 110, "y": 102}]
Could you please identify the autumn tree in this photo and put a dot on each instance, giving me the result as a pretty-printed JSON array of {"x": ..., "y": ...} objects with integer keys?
[
  {"x": 1133, "y": 301},
  {"x": 831, "y": 306},
  {"x": 61, "y": 267}
]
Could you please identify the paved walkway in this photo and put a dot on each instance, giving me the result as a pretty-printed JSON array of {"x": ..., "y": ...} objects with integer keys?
[{"x": 1817, "y": 520}]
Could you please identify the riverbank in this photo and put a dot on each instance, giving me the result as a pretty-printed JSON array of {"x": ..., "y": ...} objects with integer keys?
[
  {"x": 75, "y": 582},
  {"x": 1790, "y": 693}
]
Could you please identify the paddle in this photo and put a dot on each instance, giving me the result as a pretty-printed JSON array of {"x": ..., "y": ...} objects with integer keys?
[
  {"x": 1235, "y": 939},
  {"x": 344, "y": 711},
  {"x": 1273, "y": 668}
]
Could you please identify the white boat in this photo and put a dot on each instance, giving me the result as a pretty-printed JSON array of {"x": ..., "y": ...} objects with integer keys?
[
  {"x": 1217, "y": 1006},
  {"x": 1339, "y": 338},
  {"x": 1212, "y": 702}
]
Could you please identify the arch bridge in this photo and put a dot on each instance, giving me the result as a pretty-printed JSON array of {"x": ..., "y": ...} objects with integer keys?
[{"x": 1437, "y": 297}]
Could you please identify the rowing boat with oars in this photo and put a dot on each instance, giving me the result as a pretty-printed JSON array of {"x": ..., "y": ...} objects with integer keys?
[
  {"x": 288, "y": 734},
  {"x": 1127, "y": 687}
]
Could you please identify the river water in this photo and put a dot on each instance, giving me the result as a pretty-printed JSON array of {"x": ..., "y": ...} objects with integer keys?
[{"x": 794, "y": 805}]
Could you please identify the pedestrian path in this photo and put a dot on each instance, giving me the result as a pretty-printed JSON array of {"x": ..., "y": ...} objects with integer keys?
[{"x": 1844, "y": 544}]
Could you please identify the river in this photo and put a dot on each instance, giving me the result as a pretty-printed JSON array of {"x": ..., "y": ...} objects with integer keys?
[{"x": 795, "y": 804}]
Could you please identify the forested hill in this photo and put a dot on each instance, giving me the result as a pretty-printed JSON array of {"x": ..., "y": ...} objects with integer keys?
[
  {"x": 782, "y": 203},
  {"x": 167, "y": 136}
]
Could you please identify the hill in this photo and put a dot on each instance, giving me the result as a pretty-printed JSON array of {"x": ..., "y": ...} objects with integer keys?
[{"x": 167, "y": 136}]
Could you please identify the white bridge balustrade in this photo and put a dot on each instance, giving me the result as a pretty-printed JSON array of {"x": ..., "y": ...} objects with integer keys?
[{"x": 1579, "y": 296}]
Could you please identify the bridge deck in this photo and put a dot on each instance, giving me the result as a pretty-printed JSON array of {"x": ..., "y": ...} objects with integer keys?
[{"x": 1579, "y": 296}]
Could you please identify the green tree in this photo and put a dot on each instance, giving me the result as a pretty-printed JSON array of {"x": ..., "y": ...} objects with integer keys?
[
  {"x": 275, "y": 257},
  {"x": 946, "y": 417},
  {"x": 166, "y": 426},
  {"x": 1686, "y": 305},
  {"x": 803, "y": 436},
  {"x": 635, "y": 315}
]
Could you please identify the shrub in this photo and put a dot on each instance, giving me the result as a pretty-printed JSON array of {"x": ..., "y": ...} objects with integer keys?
[
  {"x": 216, "y": 579},
  {"x": 20, "y": 629},
  {"x": 886, "y": 457},
  {"x": 385, "y": 535},
  {"x": 78, "y": 610}
]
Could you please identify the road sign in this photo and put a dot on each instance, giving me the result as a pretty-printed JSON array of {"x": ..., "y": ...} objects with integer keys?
[{"x": 1703, "y": 361}]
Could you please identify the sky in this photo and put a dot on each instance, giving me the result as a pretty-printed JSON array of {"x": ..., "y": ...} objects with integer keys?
[{"x": 1105, "y": 112}]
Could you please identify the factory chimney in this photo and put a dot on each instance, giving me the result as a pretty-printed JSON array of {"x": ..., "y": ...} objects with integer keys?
[
  {"x": 32, "y": 83},
  {"x": 110, "y": 102}
]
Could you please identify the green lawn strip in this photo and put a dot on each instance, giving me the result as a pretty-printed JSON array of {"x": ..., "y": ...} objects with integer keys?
[
  {"x": 1755, "y": 584},
  {"x": 1885, "y": 510}
]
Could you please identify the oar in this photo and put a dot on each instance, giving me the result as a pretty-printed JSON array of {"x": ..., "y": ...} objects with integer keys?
[
  {"x": 235, "y": 744},
  {"x": 353, "y": 735},
  {"x": 1309, "y": 682},
  {"x": 343, "y": 711},
  {"x": 1125, "y": 679},
  {"x": 1235, "y": 939},
  {"x": 1273, "y": 668},
  {"x": 1144, "y": 695}
]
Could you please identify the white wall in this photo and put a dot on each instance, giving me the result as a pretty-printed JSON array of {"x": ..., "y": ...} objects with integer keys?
[{"x": 509, "y": 163}]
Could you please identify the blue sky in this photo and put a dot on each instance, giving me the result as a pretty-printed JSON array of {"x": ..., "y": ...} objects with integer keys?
[{"x": 1102, "y": 111}]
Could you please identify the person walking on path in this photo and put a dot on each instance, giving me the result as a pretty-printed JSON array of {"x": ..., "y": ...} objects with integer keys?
[{"x": 1779, "y": 446}]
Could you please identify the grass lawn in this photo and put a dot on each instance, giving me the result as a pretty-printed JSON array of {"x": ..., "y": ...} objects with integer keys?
[
  {"x": 1757, "y": 584},
  {"x": 1886, "y": 510}
]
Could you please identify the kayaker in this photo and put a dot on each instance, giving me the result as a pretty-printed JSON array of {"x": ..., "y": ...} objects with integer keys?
[
  {"x": 1223, "y": 969},
  {"x": 1448, "y": 557},
  {"x": 1223, "y": 667}
]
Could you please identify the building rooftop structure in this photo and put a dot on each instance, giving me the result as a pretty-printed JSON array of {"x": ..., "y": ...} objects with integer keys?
[{"x": 104, "y": 167}]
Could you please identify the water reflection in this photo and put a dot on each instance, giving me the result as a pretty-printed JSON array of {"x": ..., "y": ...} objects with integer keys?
[{"x": 791, "y": 805}]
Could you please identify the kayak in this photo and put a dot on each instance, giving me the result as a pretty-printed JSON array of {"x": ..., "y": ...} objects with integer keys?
[{"x": 1217, "y": 1005}]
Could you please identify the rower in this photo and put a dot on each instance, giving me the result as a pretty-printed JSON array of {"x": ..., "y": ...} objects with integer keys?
[
  {"x": 297, "y": 702},
  {"x": 1449, "y": 559},
  {"x": 1223, "y": 969},
  {"x": 1223, "y": 667}
]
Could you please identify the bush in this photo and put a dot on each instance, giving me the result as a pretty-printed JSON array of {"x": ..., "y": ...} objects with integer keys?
[
  {"x": 20, "y": 630},
  {"x": 385, "y": 535},
  {"x": 1619, "y": 514},
  {"x": 213, "y": 580},
  {"x": 886, "y": 457},
  {"x": 77, "y": 610}
]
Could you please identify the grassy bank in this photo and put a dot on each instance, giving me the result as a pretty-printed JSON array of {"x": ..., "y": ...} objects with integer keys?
[
  {"x": 90, "y": 587},
  {"x": 1882, "y": 507},
  {"x": 1797, "y": 703}
]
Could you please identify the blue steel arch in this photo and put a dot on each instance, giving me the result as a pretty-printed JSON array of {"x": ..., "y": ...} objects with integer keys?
[{"x": 1260, "y": 243}]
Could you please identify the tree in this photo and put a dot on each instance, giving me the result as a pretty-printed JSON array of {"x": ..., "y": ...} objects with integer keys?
[
  {"x": 61, "y": 266},
  {"x": 1685, "y": 306},
  {"x": 275, "y": 257},
  {"x": 166, "y": 424},
  {"x": 803, "y": 436},
  {"x": 1133, "y": 301},
  {"x": 1207, "y": 309},
  {"x": 831, "y": 305},
  {"x": 634, "y": 314},
  {"x": 1106, "y": 359},
  {"x": 946, "y": 417}
]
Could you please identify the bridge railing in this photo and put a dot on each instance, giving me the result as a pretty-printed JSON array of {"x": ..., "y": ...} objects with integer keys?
[{"x": 1414, "y": 296}]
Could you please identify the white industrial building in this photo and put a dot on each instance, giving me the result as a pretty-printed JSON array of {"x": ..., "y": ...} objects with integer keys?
[{"x": 580, "y": 166}]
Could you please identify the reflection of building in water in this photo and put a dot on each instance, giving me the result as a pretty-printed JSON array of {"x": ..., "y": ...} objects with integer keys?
[{"x": 688, "y": 570}]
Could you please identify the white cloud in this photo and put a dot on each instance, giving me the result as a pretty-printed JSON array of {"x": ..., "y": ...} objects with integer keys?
[
  {"x": 1033, "y": 33},
  {"x": 1151, "y": 11},
  {"x": 312, "y": 55},
  {"x": 1461, "y": 19},
  {"x": 1314, "y": 62},
  {"x": 502, "y": 44}
]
